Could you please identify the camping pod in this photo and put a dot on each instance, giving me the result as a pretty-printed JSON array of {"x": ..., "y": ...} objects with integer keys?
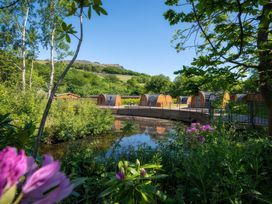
[
  {"x": 156, "y": 100},
  {"x": 67, "y": 96},
  {"x": 144, "y": 100},
  {"x": 168, "y": 100},
  {"x": 203, "y": 99},
  {"x": 109, "y": 100},
  {"x": 183, "y": 99}
]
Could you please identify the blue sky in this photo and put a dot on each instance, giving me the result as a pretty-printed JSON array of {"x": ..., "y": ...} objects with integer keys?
[{"x": 135, "y": 35}]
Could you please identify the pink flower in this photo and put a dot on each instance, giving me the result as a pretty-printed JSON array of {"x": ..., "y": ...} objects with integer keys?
[
  {"x": 47, "y": 184},
  {"x": 190, "y": 130},
  {"x": 206, "y": 128},
  {"x": 120, "y": 176},
  {"x": 12, "y": 167}
]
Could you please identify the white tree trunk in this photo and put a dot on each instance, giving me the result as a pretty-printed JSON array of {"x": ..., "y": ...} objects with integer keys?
[
  {"x": 24, "y": 47},
  {"x": 52, "y": 48},
  {"x": 31, "y": 72}
]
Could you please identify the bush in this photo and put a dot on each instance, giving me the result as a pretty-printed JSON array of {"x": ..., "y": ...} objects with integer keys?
[
  {"x": 131, "y": 101},
  {"x": 71, "y": 120}
]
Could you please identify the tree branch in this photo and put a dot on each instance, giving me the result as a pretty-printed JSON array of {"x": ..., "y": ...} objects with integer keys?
[
  {"x": 10, "y": 5},
  {"x": 214, "y": 48}
]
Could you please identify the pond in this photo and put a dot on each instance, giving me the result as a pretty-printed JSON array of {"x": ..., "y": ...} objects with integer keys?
[{"x": 126, "y": 132}]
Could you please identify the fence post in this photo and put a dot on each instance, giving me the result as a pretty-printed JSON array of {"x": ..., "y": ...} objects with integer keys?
[
  {"x": 211, "y": 112},
  {"x": 251, "y": 112}
]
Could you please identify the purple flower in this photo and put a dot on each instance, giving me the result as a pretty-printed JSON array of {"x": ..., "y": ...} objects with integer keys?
[
  {"x": 47, "y": 184},
  {"x": 143, "y": 172},
  {"x": 206, "y": 128},
  {"x": 12, "y": 167},
  {"x": 120, "y": 176},
  {"x": 190, "y": 130}
]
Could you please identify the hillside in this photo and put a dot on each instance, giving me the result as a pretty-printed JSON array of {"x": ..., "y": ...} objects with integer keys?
[
  {"x": 91, "y": 78},
  {"x": 97, "y": 67}
]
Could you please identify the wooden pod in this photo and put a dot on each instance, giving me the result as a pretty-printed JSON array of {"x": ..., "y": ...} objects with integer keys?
[
  {"x": 109, "y": 100},
  {"x": 203, "y": 99},
  {"x": 168, "y": 100},
  {"x": 144, "y": 100}
]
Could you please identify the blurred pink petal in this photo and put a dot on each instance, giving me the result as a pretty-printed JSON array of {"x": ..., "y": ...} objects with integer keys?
[{"x": 12, "y": 167}]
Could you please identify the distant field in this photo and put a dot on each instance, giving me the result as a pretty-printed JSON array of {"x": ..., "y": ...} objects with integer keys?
[{"x": 123, "y": 78}]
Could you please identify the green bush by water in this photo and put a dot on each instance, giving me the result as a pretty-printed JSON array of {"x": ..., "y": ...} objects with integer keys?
[
  {"x": 71, "y": 120},
  {"x": 68, "y": 119}
]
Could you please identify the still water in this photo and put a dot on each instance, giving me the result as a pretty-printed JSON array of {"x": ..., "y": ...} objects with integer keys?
[{"x": 126, "y": 132}]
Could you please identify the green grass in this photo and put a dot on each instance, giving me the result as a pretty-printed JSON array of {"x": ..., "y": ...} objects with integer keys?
[{"x": 123, "y": 78}]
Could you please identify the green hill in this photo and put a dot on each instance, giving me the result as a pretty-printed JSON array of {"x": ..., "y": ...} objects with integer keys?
[{"x": 88, "y": 78}]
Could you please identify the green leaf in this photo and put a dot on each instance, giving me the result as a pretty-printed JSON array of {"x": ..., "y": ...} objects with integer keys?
[
  {"x": 67, "y": 37},
  {"x": 97, "y": 2},
  {"x": 103, "y": 11},
  {"x": 152, "y": 166},
  {"x": 64, "y": 26},
  {"x": 144, "y": 196},
  {"x": 106, "y": 192},
  {"x": 78, "y": 181},
  {"x": 90, "y": 12},
  {"x": 8, "y": 196}
]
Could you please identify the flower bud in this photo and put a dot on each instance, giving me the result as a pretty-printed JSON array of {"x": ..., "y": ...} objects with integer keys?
[
  {"x": 125, "y": 164},
  {"x": 143, "y": 172},
  {"x": 138, "y": 162}
]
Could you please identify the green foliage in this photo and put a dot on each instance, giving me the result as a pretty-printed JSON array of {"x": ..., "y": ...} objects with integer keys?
[
  {"x": 133, "y": 183},
  {"x": 229, "y": 166},
  {"x": 131, "y": 101},
  {"x": 71, "y": 120},
  {"x": 158, "y": 84}
]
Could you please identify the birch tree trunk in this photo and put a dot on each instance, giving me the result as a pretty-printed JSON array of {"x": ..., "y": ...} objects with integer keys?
[
  {"x": 24, "y": 47},
  {"x": 55, "y": 88},
  {"x": 52, "y": 48},
  {"x": 31, "y": 72}
]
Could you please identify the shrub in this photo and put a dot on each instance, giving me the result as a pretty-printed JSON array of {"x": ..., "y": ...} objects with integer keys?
[{"x": 71, "y": 120}]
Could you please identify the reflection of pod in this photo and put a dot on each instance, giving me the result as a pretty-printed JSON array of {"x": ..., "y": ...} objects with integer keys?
[
  {"x": 160, "y": 130},
  {"x": 117, "y": 124}
]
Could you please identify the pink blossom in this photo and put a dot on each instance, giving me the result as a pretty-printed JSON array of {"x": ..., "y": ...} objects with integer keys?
[
  {"x": 13, "y": 165},
  {"x": 39, "y": 184},
  {"x": 190, "y": 130}
]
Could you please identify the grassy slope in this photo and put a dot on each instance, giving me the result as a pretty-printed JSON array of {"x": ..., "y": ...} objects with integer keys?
[{"x": 100, "y": 69}]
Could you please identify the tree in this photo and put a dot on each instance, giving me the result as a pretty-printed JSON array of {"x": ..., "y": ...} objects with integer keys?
[
  {"x": 235, "y": 34},
  {"x": 158, "y": 84},
  {"x": 193, "y": 79},
  {"x": 73, "y": 7},
  {"x": 52, "y": 14},
  {"x": 15, "y": 25}
]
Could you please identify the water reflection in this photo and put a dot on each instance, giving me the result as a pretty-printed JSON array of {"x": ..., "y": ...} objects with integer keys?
[{"x": 127, "y": 132}]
